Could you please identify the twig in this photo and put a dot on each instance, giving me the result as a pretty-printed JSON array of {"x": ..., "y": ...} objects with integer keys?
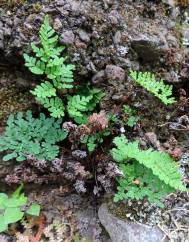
[{"x": 166, "y": 234}]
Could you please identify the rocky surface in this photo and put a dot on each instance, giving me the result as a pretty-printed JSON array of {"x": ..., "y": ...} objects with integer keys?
[
  {"x": 124, "y": 231},
  {"x": 97, "y": 33},
  {"x": 80, "y": 213}
]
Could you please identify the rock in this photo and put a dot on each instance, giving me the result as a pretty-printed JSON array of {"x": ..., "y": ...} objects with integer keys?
[
  {"x": 149, "y": 48},
  {"x": 117, "y": 37},
  {"x": 105, "y": 32},
  {"x": 84, "y": 36},
  {"x": 5, "y": 238},
  {"x": 88, "y": 224},
  {"x": 108, "y": 2},
  {"x": 172, "y": 76},
  {"x": 171, "y": 3},
  {"x": 114, "y": 17},
  {"x": 98, "y": 77},
  {"x": 114, "y": 73},
  {"x": 124, "y": 231},
  {"x": 67, "y": 37},
  {"x": 122, "y": 50},
  {"x": 57, "y": 24}
]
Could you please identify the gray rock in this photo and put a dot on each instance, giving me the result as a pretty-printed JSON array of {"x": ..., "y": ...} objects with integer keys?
[
  {"x": 67, "y": 37},
  {"x": 104, "y": 36},
  {"x": 149, "y": 48},
  {"x": 114, "y": 17},
  {"x": 88, "y": 224},
  {"x": 124, "y": 231},
  {"x": 117, "y": 37},
  {"x": 84, "y": 36},
  {"x": 60, "y": 2},
  {"x": 114, "y": 72}
]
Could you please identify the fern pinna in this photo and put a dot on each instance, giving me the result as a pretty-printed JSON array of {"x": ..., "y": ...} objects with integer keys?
[
  {"x": 48, "y": 62},
  {"x": 147, "y": 173},
  {"x": 158, "y": 88}
]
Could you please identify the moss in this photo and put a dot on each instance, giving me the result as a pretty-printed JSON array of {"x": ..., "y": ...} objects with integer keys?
[
  {"x": 12, "y": 3},
  {"x": 124, "y": 211},
  {"x": 37, "y": 7},
  {"x": 12, "y": 101}
]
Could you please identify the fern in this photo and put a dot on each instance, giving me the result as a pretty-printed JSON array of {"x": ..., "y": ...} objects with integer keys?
[
  {"x": 44, "y": 90},
  {"x": 11, "y": 208},
  {"x": 159, "y": 89},
  {"x": 80, "y": 106},
  {"x": 93, "y": 140},
  {"x": 139, "y": 182},
  {"x": 131, "y": 113},
  {"x": 36, "y": 67},
  {"x": 48, "y": 61},
  {"x": 30, "y": 136},
  {"x": 54, "y": 105},
  {"x": 160, "y": 164}
]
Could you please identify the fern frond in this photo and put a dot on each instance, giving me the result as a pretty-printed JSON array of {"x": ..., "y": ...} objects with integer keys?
[
  {"x": 60, "y": 73},
  {"x": 48, "y": 39},
  {"x": 97, "y": 95},
  {"x": 78, "y": 104},
  {"x": 44, "y": 90},
  {"x": 54, "y": 105},
  {"x": 158, "y": 88},
  {"x": 48, "y": 61},
  {"x": 148, "y": 185},
  {"x": 35, "y": 66},
  {"x": 161, "y": 164},
  {"x": 31, "y": 136},
  {"x": 66, "y": 78}
]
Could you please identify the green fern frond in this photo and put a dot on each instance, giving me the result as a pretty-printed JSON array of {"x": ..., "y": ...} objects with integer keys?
[
  {"x": 48, "y": 61},
  {"x": 54, "y": 105},
  {"x": 161, "y": 164},
  {"x": 160, "y": 171},
  {"x": 158, "y": 88},
  {"x": 97, "y": 95},
  {"x": 31, "y": 136},
  {"x": 78, "y": 104},
  {"x": 35, "y": 66},
  {"x": 48, "y": 39},
  {"x": 148, "y": 185},
  {"x": 44, "y": 90}
]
